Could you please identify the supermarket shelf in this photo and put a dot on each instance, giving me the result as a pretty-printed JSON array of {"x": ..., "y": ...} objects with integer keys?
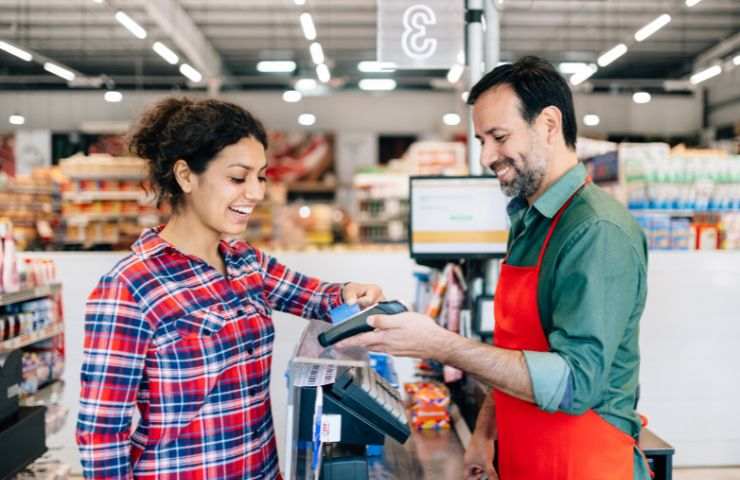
[
  {"x": 49, "y": 394},
  {"x": 45, "y": 333},
  {"x": 679, "y": 213},
  {"x": 104, "y": 176},
  {"x": 84, "y": 219},
  {"x": 311, "y": 187},
  {"x": 29, "y": 294},
  {"x": 84, "y": 197},
  {"x": 28, "y": 190}
]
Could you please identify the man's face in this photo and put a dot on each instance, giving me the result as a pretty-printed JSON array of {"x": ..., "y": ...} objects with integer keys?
[{"x": 511, "y": 148}]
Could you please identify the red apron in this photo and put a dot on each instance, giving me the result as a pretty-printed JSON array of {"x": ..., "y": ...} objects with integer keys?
[{"x": 534, "y": 444}]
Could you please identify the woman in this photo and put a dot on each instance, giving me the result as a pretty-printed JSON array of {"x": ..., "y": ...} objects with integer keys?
[{"x": 181, "y": 327}]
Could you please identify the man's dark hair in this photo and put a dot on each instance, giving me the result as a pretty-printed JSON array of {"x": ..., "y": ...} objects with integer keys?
[{"x": 538, "y": 86}]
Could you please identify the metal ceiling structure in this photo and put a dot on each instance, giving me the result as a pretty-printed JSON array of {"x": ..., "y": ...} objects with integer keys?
[{"x": 226, "y": 38}]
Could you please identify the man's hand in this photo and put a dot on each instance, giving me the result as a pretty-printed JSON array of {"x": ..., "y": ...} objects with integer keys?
[
  {"x": 479, "y": 458},
  {"x": 362, "y": 294},
  {"x": 406, "y": 335}
]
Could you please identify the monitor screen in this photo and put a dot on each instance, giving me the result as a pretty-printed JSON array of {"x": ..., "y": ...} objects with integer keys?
[{"x": 457, "y": 217}]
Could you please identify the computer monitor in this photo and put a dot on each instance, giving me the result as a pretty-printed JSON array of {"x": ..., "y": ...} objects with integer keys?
[{"x": 457, "y": 217}]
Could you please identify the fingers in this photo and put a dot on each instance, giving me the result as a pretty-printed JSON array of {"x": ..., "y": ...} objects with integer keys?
[
  {"x": 385, "y": 322},
  {"x": 473, "y": 472}
]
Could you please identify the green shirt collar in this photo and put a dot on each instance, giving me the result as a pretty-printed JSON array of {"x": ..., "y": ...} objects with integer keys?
[{"x": 560, "y": 191}]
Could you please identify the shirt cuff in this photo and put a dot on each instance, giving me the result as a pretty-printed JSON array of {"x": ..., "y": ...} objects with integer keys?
[{"x": 550, "y": 376}]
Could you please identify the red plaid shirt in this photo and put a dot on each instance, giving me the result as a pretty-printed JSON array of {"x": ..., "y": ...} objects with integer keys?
[{"x": 192, "y": 350}]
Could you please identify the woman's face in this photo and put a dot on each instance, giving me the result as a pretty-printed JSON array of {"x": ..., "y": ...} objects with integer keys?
[{"x": 225, "y": 194}]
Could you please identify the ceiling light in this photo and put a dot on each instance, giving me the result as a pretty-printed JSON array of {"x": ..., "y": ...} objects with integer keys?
[
  {"x": 455, "y": 73},
  {"x": 691, "y": 3},
  {"x": 292, "y": 96},
  {"x": 451, "y": 119},
  {"x": 59, "y": 71},
  {"x": 17, "y": 119},
  {"x": 309, "y": 30},
  {"x": 13, "y": 50},
  {"x": 317, "y": 53},
  {"x": 305, "y": 84},
  {"x": 705, "y": 74},
  {"x": 300, "y": 2},
  {"x": 113, "y": 96},
  {"x": 130, "y": 25},
  {"x": 306, "y": 119},
  {"x": 464, "y": 96},
  {"x": 192, "y": 74},
  {"x": 164, "y": 52},
  {"x": 377, "y": 84},
  {"x": 570, "y": 68},
  {"x": 322, "y": 71},
  {"x": 591, "y": 120},
  {"x": 736, "y": 60},
  {"x": 583, "y": 75},
  {"x": 612, "y": 55},
  {"x": 276, "y": 66},
  {"x": 641, "y": 97},
  {"x": 304, "y": 211},
  {"x": 98, "y": 1},
  {"x": 652, "y": 27},
  {"x": 376, "y": 67}
]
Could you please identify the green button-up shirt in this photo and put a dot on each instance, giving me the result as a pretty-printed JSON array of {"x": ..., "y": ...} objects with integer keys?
[{"x": 591, "y": 294}]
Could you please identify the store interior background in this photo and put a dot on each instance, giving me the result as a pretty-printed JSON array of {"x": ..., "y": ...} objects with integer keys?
[{"x": 690, "y": 329}]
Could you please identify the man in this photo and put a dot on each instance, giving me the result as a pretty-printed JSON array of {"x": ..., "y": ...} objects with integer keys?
[{"x": 564, "y": 364}]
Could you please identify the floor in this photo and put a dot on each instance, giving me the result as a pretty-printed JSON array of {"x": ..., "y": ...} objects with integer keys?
[{"x": 706, "y": 474}]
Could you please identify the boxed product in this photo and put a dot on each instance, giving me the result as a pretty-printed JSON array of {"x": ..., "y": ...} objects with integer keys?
[{"x": 428, "y": 405}]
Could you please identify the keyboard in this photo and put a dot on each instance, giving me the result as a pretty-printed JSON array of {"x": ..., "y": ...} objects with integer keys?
[{"x": 362, "y": 389}]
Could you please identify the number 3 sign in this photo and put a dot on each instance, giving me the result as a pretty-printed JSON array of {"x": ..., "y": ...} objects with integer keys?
[{"x": 420, "y": 33}]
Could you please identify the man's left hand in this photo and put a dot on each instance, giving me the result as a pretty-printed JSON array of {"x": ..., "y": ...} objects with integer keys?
[
  {"x": 362, "y": 294},
  {"x": 406, "y": 335}
]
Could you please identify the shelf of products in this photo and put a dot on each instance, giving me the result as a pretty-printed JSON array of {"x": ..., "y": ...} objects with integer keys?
[
  {"x": 29, "y": 294},
  {"x": 104, "y": 200},
  {"x": 32, "y": 203}
]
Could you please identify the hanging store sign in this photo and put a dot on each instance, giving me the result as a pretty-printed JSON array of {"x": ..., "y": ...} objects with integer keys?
[{"x": 420, "y": 34}]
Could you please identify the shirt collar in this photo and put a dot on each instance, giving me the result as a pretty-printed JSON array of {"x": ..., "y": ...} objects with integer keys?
[
  {"x": 150, "y": 244},
  {"x": 559, "y": 192}
]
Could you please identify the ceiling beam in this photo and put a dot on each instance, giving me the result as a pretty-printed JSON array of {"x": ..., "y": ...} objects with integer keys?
[
  {"x": 723, "y": 48},
  {"x": 175, "y": 22}
]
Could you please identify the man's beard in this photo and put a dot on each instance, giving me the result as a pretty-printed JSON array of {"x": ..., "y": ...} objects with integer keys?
[{"x": 530, "y": 172}]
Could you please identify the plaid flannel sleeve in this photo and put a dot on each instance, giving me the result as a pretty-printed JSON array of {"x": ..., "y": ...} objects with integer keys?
[
  {"x": 301, "y": 295},
  {"x": 116, "y": 341}
]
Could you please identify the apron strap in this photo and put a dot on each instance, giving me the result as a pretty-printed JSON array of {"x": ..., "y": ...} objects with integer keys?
[{"x": 555, "y": 221}]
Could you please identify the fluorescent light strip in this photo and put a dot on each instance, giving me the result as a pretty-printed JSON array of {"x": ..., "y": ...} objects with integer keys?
[
  {"x": 13, "y": 50},
  {"x": 583, "y": 75},
  {"x": 377, "y": 84},
  {"x": 705, "y": 74},
  {"x": 305, "y": 84},
  {"x": 299, "y": 2},
  {"x": 691, "y": 3},
  {"x": 113, "y": 96},
  {"x": 591, "y": 120},
  {"x": 192, "y": 74},
  {"x": 130, "y": 25},
  {"x": 306, "y": 119},
  {"x": 276, "y": 66},
  {"x": 736, "y": 60},
  {"x": 451, "y": 119},
  {"x": 641, "y": 97},
  {"x": 455, "y": 73},
  {"x": 59, "y": 71},
  {"x": 570, "y": 68},
  {"x": 309, "y": 29},
  {"x": 163, "y": 51},
  {"x": 652, "y": 27},
  {"x": 317, "y": 53},
  {"x": 612, "y": 55},
  {"x": 376, "y": 67},
  {"x": 322, "y": 71},
  {"x": 292, "y": 96},
  {"x": 16, "y": 119}
]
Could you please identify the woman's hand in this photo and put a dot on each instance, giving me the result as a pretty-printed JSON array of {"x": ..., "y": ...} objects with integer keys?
[{"x": 362, "y": 294}]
